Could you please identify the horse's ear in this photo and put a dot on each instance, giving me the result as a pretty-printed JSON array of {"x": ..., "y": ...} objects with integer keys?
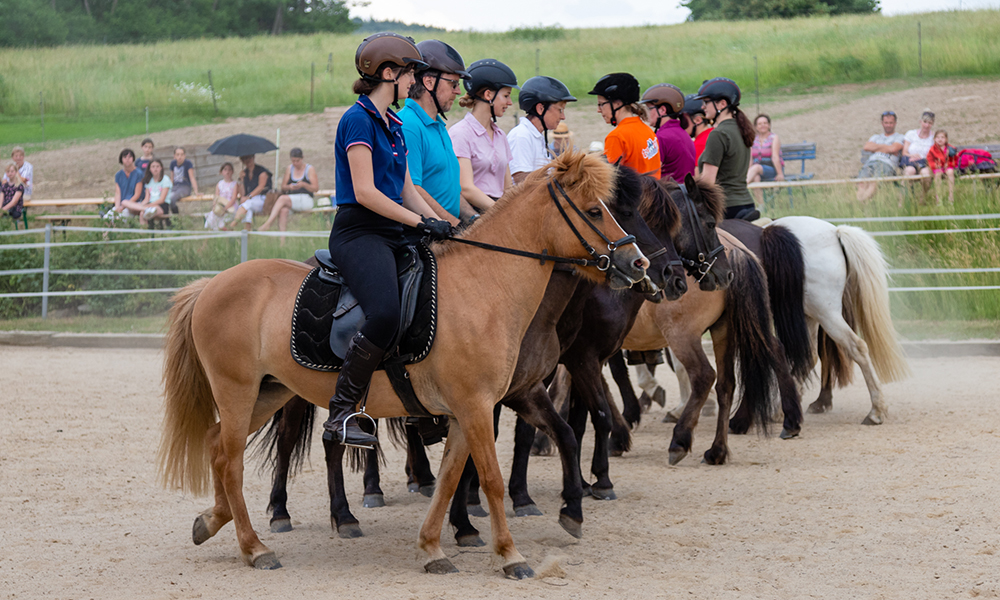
[{"x": 692, "y": 187}]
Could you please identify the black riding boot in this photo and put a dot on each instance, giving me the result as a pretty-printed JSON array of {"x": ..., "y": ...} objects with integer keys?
[{"x": 360, "y": 362}]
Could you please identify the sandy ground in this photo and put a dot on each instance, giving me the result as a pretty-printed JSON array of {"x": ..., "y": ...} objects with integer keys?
[
  {"x": 839, "y": 120},
  {"x": 904, "y": 510}
]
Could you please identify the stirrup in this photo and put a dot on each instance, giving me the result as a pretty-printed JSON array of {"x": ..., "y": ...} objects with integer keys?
[{"x": 343, "y": 430}]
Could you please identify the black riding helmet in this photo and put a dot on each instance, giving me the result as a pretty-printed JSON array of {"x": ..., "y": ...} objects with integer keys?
[
  {"x": 719, "y": 88},
  {"x": 489, "y": 74},
  {"x": 692, "y": 105},
  {"x": 442, "y": 58},
  {"x": 386, "y": 47},
  {"x": 545, "y": 91},
  {"x": 617, "y": 86}
]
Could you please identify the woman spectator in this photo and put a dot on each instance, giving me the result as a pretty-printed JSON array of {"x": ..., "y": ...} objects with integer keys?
[
  {"x": 253, "y": 185},
  {"x": 298, "y": 187},
  {"x": 631, "y": 143},
  {"x": 12, "y": 189},
  {"x": 480, "y": 145},
  {"x": 185, "y": 182},
  {"x": 157, "y": 186},
  {"x": 726, "y": 158},
  {"x": 375, "y": 199},
  {"x": 916, "y": 144},
  {"x": 765, "y": 147},
  {"x": 128, "y": 186},
  {"x": 24, "y": 169},
  {"x": 942, "y": 158}
]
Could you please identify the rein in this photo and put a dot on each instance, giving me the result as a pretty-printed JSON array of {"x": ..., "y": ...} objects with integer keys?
[
  {"x": 601, "y": 261},
  {"x": 700, "y": 268}
]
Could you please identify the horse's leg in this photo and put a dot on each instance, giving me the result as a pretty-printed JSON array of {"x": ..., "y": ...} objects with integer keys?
[
  {"x": 524, "y": 435},
  {"x": 373, "y": 498},
  {"x": 632, "y": 408},
  {"x": 209, "y": 522},
  {"x": 475, "y": 506},
  {"x": 288, "y": 427},
  {"x": 537, "y": 410},
  {"x": 791, "y": 401},
  {"x": 576, "y": 417},
  {"x": 857, "y": 349},
  {"x": 456, "y": 452},
  {"x": 725, "y": 357},
  {"x": 341, "y": 519},
  {"x": 589, "y": 386},
  {"x": 824, "y": 403},
  {"x": 558, "y": 392},
  {"x": 466, "y": 534},
  {"x": 418, "y": 466},
  {"x": 691, "y": 355}
]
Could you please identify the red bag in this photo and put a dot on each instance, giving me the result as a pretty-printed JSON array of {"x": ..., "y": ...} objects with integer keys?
[{"x": 975, "y": 160}]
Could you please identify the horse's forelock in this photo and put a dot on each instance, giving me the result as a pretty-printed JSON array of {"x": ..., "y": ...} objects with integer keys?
[
  {"x": 657, "y": 209},
  {"x": 584, "y": 176}
]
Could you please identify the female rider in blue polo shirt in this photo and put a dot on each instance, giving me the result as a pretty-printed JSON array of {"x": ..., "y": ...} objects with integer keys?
[{"x": 375, "y": 199}]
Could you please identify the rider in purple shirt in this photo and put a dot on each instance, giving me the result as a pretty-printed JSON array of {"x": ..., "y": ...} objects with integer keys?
[{"x": 665, "y": 103}]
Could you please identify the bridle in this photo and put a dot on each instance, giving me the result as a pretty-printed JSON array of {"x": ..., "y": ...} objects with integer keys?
[
  {"x": 698, "y": 269},
  {"x": 603, "y": 262}
]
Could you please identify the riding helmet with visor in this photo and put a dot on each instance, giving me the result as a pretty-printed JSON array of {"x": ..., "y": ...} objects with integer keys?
[
  {"x": 617, "y": 86},
  {"x": 720, "y": 88},
  {"x": 441, "y": 58},
  {"x": 667, "y": 95},
  {"x": 692, "y": 105},
  {"x": 489, "y": 74},
  {"x": 545, "y": 91},
  {"x": 386, "y": 47}
]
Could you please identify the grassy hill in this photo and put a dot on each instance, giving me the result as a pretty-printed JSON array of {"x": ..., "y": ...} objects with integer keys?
[{"x": 109, "y": 87}]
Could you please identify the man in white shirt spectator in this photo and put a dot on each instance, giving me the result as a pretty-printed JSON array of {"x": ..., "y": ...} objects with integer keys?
[
  {"x": 884, "y": 160},
  {"x": 543, "y": 99},
  {"x": 24, "y": 169}
]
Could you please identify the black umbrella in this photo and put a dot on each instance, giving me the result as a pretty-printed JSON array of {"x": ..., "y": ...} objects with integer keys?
[{"x": 241, "y": 144}]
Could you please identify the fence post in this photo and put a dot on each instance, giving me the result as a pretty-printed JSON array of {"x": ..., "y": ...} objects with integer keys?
[
  {"x": 312, "y": 85},
  {"x": 244, "y": 242},
  {"x": 329, "y": 64},
  {"x": 920, "y": 49},
  {"x": 45, "y": 271},
  {"x": 756, "y": 83},
  {"x": 537, "y": 52},
  {"x": 147, "y": 120},
  {"x": 41, "y": 106},
  {"x": 212, "y": 88}
]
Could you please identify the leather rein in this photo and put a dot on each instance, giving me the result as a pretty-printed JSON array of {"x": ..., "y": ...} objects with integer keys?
[
  {"x": 602, "y": 262},
  {"x": 698, "y": 269}
]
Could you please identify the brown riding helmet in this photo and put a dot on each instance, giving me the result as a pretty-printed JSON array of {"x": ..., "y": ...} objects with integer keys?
[
  {"x": 380, "y": 48},
  {"x": 665, "y": 94}
]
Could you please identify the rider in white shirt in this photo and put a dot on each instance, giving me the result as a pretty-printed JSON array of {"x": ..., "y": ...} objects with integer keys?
[{"x": 543, "y": 99}]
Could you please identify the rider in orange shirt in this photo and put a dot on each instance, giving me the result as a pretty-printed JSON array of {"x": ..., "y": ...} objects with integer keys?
[{"x": 631, "y": 143}]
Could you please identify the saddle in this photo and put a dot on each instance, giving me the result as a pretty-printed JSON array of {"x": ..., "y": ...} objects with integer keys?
[{"x": 327, "y": 315}]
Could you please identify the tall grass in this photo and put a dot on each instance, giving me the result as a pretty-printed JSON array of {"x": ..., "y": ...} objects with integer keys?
[{"x": 261, "y": 75}]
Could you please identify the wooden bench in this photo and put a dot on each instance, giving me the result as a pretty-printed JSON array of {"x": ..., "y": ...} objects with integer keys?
[{"x": 802, "y": 152}]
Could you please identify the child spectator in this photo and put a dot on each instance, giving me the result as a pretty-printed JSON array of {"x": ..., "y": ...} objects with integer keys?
[
  {"x": 13, "y": 192},
  {"x": 157, "y": 186},
  {"x": 225, "y": 198},
  {"x": 24, "y": 169},
  {"x": 943, "y": 158},
  {"x": 142, "y": 163},
  {"x": 128, "y": 186},
  {"x": 185, "y": 183}
]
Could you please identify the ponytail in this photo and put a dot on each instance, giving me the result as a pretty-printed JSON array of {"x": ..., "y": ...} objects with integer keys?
[{"x": 747, "y": 132}]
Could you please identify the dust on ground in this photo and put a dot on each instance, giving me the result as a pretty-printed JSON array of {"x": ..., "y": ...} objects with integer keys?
[
  {"x": 903, "y": 510},
  {"x": 839, "y": 120}
]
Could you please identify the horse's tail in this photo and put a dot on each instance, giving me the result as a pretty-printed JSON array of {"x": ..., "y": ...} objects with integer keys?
[
  {"x": 750, "y": 336},
  {"x": 867, "y": 292},
  {"x": 785, "y": 268},
  {"x": 188, "y": 402}
]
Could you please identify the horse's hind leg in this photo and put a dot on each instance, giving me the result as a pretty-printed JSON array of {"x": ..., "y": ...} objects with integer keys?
[
  {"x": 289, "y": 423},
  {"x": 475, "y": 505},
  {"x": 418, "y": 466},
  {"x": 725, "y": 360},
  {"x": 465, "y": 533},
  {"x": 589, "y": 385},
  {"x": 857, "y": 349},
  {"x": 824, "y": 403},
  {"x": 341, "y": 519},
  {"x": 632, "y": 409},
  {"x": 456, "y": 452},
  {"x": 208, "y": 523},
  {"x": 373, "y": 498},
  {"x": 691, "y": 355},
  {"x": 524, "y": 435}
]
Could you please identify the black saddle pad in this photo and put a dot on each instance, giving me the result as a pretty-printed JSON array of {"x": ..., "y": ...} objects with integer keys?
[{"x": 317, "y": 301}]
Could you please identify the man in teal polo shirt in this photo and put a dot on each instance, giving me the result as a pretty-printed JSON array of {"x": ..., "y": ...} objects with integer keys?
[{"x": 433, "y": 165}]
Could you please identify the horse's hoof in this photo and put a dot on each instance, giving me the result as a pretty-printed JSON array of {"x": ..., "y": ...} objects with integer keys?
[
  {"x": 645, "y": 402},
  {"x": 427, "y": 491},
  {"x": 528, "y": 510},
  {"x": 738, "y": 427},
  {"x": 714, "y": 458},
  {"x": 518, "y": 571},
  {"x": 669, "y": 418},
  {"x": 819, "y": 407},
  {"x": 349, "y": 531},
  {"x": 280, "y": 526},
  {"x": 603, "y": 494},
  {"x": 200, "y": 532},
  {"x": 413, "y": 488},
  {"x": 616, "y": 452},
  {"x": 571, "y": 525},
  {"x": 440, "y": 566},
  {"x": 660, "y": 396},
  {"x": 266, "y": 562},
  {"x": 373, "y": 501},
  {"x": 787, "y": 434},
  {"x": 676, "y": 456},
  {"x": 870, "y": 421},
  {"x": 470, "y": 541},
  {"x": 476, "y": 510}
]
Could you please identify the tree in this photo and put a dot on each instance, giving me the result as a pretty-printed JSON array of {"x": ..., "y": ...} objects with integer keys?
[{"x": 731, "y": 10}]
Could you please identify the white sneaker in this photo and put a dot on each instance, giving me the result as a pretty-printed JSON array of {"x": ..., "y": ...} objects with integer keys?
[
  {"x": 150, "y": 212},
  {"x": 110, "y": 215}
]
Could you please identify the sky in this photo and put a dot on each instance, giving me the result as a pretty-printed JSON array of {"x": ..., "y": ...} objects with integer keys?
[{"x": 578, "y": 13}]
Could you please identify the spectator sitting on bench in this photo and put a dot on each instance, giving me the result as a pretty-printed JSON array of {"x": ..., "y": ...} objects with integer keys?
[
  {"x": 916, "y": 144},
  {"x": 942, "y": 158},
  {"x": 12, "y": 189},
  {"x": 884, "y": 160},
  {"x": 142, "y": 163},
  {"x": 766, "y": 146},
  {"x": 157, "y": 184},
  {"x": 185, "y": 182},
  {"x": 128, "y": 187},
  {"x": 252, "y": 186},
  {"x": 297, "y": 187},
  {"x": 24, "y": 169}
]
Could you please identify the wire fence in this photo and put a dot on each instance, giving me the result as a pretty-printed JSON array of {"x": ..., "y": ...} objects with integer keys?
[{"x": 172, "y": 236}]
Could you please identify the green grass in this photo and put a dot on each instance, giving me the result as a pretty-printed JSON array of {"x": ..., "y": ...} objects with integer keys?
[
  {"x": 265, "y": 75},
  {"x": 89, "y": 324},
  {"x": 948, "y": 330},
  {"x": 27, "y": 131}
]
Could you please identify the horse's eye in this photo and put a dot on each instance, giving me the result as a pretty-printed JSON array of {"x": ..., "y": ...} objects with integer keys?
[
  {"x": 595, "y": 213},
  {"x": 711, "y": 225},
  {"x": 627, "y": 214}
]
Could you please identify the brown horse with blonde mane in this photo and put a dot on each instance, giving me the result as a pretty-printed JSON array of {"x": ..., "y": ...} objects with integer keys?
[{"x": 237, "y": 364}]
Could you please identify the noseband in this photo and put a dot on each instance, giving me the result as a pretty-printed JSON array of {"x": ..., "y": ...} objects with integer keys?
[
  {"x": 602, "y": 262},
  {"x": 698, "y": 269}
]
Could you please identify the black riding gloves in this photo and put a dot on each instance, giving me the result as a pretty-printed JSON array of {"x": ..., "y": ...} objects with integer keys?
[{"x": 436, "y": 228}]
